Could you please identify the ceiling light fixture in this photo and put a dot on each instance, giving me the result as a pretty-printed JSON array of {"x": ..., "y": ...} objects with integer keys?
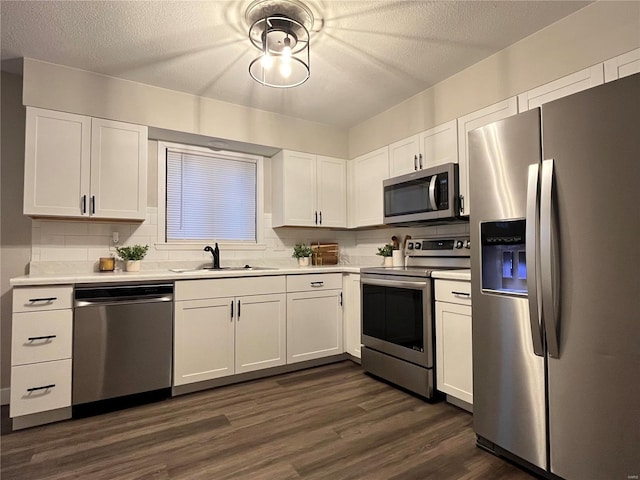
[{"x": 280, "y": 30}]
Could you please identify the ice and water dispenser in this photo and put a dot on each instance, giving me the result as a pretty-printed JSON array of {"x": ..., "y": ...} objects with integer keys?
[{"x": 504, "y": 263}]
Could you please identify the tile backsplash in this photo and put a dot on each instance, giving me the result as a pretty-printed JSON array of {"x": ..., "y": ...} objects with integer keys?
[{"x": 60, "y": 246}]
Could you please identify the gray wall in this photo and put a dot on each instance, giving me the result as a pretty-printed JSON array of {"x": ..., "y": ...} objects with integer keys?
[{"x": 15, "y": 228}]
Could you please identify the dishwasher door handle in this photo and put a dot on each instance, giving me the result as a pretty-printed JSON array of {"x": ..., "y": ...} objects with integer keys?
[{"x": 122, "y": 301}]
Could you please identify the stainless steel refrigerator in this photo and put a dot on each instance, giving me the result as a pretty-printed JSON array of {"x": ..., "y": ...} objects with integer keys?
[{"x": 556, "y": 284}]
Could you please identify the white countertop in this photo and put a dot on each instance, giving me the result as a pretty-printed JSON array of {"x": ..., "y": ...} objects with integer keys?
[
  {"x": 168, "y": 275},
  {"x": 464, "y": 275}
]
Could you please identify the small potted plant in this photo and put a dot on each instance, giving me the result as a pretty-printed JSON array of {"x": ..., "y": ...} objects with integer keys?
[
  {"x": 302, "y": 252},
  {"x": 132, "y": 256},
  {"x": 386, "y": 252}
]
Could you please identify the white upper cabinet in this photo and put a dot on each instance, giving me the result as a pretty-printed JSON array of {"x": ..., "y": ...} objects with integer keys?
[
  {"x": 366, "y": 175},
  {"x": 118, "y": 170},
  {"x": 431, "y": 148},
  {"x": 331, "y": 191},
  {"x": 403, "y": 156},
  {"x": 562, "y": 87},
  {"x": 622, "y": 65},
  {"x": 469, "y": 122},
  {"x": 77, "y": 166},
  {"x": 308, "y": 190},
  {"x": 57, "y": 163}
]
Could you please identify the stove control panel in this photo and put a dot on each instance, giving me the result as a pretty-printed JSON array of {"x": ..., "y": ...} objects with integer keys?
[{"x": 444, "y": 247}]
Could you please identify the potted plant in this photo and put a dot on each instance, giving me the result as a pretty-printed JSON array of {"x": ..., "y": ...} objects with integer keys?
[
  {"x": 302, "y": 252},
  {"x": 132, "y": 256},
  {"x": 386, "y": 252}
]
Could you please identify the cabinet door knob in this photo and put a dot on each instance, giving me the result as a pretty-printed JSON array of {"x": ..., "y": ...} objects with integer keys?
[
  {"x": 93, "y": 204},
  {"x": 317, "y": 284},
  {"x": 84, "y": 204}
]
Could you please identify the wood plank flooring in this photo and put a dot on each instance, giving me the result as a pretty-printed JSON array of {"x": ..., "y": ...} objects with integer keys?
[{"x": 331, "y": 422}]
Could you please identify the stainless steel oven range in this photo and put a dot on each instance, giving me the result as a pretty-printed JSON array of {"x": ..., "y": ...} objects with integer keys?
[{"x": 398, "y": 328}]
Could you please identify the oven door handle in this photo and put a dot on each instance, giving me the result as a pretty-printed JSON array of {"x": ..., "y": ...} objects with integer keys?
[{"x": 394, "y": 283}]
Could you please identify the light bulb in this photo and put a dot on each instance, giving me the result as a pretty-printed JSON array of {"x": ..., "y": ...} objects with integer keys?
[
  {"x": 286, "y": 50},
  {"x": 266, "y": 61},
  {"x": 285, "y": 69}
]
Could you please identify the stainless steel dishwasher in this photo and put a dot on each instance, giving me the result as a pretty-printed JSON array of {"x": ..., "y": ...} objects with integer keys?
[{"x": 122, "y": 340}]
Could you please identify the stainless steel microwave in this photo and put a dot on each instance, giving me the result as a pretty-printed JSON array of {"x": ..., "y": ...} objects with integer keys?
[{"x": 425, "y": 195}]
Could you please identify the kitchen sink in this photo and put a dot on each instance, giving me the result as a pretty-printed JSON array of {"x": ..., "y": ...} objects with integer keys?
[
  {"x": 238, "y": 269},
  {"x": 221, "y": 269}
]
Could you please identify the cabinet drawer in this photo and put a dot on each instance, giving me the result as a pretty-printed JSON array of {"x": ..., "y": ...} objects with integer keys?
[
  {"x": 453, "y": 291},
  {"x": 40, "y": 387},
  {"x": 316, "y": 281},
  {"x": 30, "y": 299},
  {"x": 41, "y": 336},
  {"x": 228, "y": 287}
]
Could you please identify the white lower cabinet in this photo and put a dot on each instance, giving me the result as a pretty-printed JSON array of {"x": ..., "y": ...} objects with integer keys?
[
  {"x": 314, "y": 316},
  {"x": 41, "y": 337},
  {"x": 261, "y": 337},
  {"x": 454, "y": 364},
  {"x": 352, "y": 312},
  {"x": 217, "y": 337},
  {"x": 39, "y": 387},
  {"x": 203, "y": 340}
]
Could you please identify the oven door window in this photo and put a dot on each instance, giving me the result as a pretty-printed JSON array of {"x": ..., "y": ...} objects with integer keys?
[{"x": 394, "y": 315}]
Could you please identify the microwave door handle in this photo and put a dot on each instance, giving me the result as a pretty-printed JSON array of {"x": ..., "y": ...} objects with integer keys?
[
  {"x": 432, "y": 192},
  {"x": 532, "y": 230},
  {"x": 548, "y": 259}
]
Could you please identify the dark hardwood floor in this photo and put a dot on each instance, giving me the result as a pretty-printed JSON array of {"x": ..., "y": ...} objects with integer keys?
[{"x": 331, "y": 422}]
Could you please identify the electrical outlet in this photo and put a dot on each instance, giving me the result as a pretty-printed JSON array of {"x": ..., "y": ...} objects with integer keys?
[{"x": 115, "y": 236}]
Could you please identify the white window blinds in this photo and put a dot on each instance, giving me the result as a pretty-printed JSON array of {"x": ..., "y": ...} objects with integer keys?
[{"x": 210, "y": 197}]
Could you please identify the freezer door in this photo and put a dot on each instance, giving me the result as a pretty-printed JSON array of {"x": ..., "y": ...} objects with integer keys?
[
  {"x": 593, "y": 138},
  {"x": 508, "y": 377}
]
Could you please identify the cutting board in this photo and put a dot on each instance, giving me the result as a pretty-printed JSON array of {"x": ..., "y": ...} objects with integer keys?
[{"x": 325, "y": 253}]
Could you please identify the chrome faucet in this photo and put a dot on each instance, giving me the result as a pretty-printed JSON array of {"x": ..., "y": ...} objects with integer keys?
[{"x": 216, "y": 255}]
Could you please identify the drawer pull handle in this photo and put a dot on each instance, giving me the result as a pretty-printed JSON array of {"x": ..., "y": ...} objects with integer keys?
[
  {"x": 317, "y": 284},
  {"x": 44, "y": 337},
  {"x": 461, "y": 294},
  {"x": 47, "y": 300},
  {"x": 44, "y": 387}
]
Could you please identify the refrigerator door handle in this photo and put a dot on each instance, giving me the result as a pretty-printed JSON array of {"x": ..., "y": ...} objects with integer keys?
[
  {"x": 547, "y": 259},
  {"x": 533, "y": 279}
]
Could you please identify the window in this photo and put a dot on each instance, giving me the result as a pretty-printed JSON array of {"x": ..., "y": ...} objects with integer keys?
[{"x": 209, "y": 196}]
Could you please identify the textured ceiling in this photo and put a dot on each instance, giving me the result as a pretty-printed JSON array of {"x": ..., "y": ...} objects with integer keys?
[{"x": 366, "y": 56}]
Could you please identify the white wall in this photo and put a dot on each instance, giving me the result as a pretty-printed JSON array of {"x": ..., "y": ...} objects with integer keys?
[
  {"x": 591, "y": 35},
  {"x": 71, "y": 90},
  {"x": 15, "y": 228}
]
